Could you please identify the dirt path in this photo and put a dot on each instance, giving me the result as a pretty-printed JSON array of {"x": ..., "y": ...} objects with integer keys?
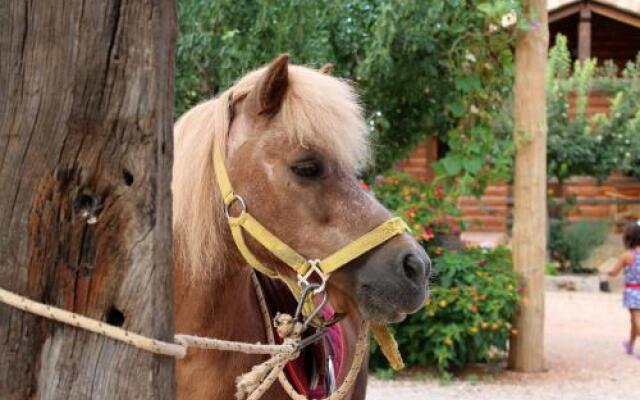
[{"x": 584, "y": 332}]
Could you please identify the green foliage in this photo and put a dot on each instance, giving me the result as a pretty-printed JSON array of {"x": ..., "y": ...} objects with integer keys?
[
  {"x": 473, "y": 297},
  {"x": 422, "y": 67},
  {"x": 618, "y": 132},
  {"x": 593, "y": 146},
  {"x": 428, "y": 210},
  {"x": 571, "y": 243},
  {"x": 550, "y": 269}
]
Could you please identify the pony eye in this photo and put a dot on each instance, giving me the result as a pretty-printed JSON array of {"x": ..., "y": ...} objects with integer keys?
[{"x": 309, "y": 169}]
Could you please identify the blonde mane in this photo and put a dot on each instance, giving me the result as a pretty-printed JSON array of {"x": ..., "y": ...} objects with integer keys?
[{"x": 318, "y": 110}]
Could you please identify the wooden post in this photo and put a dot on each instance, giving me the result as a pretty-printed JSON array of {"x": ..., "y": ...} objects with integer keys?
[
  {"x": 584, "y": 33},
  {"x": 530, "y": 211},
  {"x": 86, "y": 94}
]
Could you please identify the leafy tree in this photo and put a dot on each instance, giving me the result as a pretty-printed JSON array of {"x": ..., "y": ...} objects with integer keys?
[
  {"x": 580, "y": 144},
  {"x": 422, "y": 67},
  {"x": 618, "y": 132}
]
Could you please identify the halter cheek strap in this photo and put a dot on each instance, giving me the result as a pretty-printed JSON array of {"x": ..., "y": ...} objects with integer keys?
[{"x": 301, "y": 265}]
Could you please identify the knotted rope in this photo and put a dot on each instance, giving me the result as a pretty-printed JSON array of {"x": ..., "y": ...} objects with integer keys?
[
  {"x": 358, "y": 357},
  {"x": 254, "y": 383},
  {"x": 250, "y": 386}
]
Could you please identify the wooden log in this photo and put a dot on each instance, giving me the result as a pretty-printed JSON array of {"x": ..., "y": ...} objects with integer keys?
[
  {"x": 86, "y": 94},
  {"x": 526, "y": 352}
]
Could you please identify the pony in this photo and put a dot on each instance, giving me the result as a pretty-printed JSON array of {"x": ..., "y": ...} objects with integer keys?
[{"x": 293, "y": 139}]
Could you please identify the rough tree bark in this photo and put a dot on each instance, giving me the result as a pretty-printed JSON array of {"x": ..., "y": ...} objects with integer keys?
[
  {"x": 530, "y": 183},
  {"x": 86, "y": 92}
]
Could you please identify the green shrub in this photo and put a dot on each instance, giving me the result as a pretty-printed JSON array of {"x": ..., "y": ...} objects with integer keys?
[
  {"x": 571, "y": 243},
  {"x": 550, "y": 269},
  {"x": 473, "y": 297}
]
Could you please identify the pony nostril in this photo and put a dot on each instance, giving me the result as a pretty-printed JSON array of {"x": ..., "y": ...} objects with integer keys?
[{"x": 413, "y": 267}]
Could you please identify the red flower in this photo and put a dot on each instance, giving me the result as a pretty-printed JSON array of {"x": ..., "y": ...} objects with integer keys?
[
  {"x": 427, "y": 234},
  {"x": 364, "y": 186}
]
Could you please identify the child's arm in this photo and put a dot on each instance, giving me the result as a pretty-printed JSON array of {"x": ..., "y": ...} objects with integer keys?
[{"x": 625, "y": 259}]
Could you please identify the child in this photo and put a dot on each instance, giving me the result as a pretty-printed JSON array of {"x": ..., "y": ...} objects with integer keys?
[{"x": 630, "y": 262}]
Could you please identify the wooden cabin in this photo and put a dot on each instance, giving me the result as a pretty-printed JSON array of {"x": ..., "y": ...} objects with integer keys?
[{"x": 606, "y": 30}]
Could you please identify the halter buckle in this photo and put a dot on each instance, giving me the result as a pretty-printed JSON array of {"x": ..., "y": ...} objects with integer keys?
[{"x": 314, "y": 268}]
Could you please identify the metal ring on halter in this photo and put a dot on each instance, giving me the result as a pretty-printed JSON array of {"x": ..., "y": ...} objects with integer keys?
[
  {"x": 301, "y": 300},
  {"x": 316, "y": 311},
  {"x": 238, "y": 198},
  {"x": 314, "y": 267},
  {"x": 311, "y": 288}
]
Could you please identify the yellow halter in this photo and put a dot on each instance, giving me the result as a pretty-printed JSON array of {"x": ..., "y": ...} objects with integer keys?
[{"x": 304, "y": 267}]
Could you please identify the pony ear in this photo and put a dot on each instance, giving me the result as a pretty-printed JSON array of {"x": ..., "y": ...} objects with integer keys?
[
  {"x": 266, "y": 98},
  {"x": 326, "y": 69}
]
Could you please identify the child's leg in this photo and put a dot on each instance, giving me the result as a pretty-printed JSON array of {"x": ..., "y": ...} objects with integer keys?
[
  {"x": 633, "y": 332},
  {"x": 635, "y": 326}
]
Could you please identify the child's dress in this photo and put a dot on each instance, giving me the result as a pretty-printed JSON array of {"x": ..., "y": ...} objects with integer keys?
[{"x": 631, "y": 298}]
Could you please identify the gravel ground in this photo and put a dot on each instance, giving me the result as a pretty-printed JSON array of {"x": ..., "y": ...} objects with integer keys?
[{"x": 584, "y": 360}]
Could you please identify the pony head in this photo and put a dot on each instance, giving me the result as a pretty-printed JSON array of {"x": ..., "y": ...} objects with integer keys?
[{"x": 293, "y": 139}]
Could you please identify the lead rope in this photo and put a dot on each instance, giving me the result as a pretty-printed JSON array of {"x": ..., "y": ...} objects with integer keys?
[
  {"x": 177, "y": 349},
  {"x": 260, "y": 381}
]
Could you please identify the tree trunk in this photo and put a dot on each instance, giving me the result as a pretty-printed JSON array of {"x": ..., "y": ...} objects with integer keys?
[
  {"x": 530, "y": 205},
  {"x": 86, "y": 93}
]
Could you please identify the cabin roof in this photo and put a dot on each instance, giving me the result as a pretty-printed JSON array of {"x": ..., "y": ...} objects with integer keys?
[
  {"x": 625, "y": 11},
  {"x": 601, "y": 29}
]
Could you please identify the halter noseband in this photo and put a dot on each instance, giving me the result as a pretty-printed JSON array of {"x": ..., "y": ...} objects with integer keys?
[{"x": 305, "y": 268}]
